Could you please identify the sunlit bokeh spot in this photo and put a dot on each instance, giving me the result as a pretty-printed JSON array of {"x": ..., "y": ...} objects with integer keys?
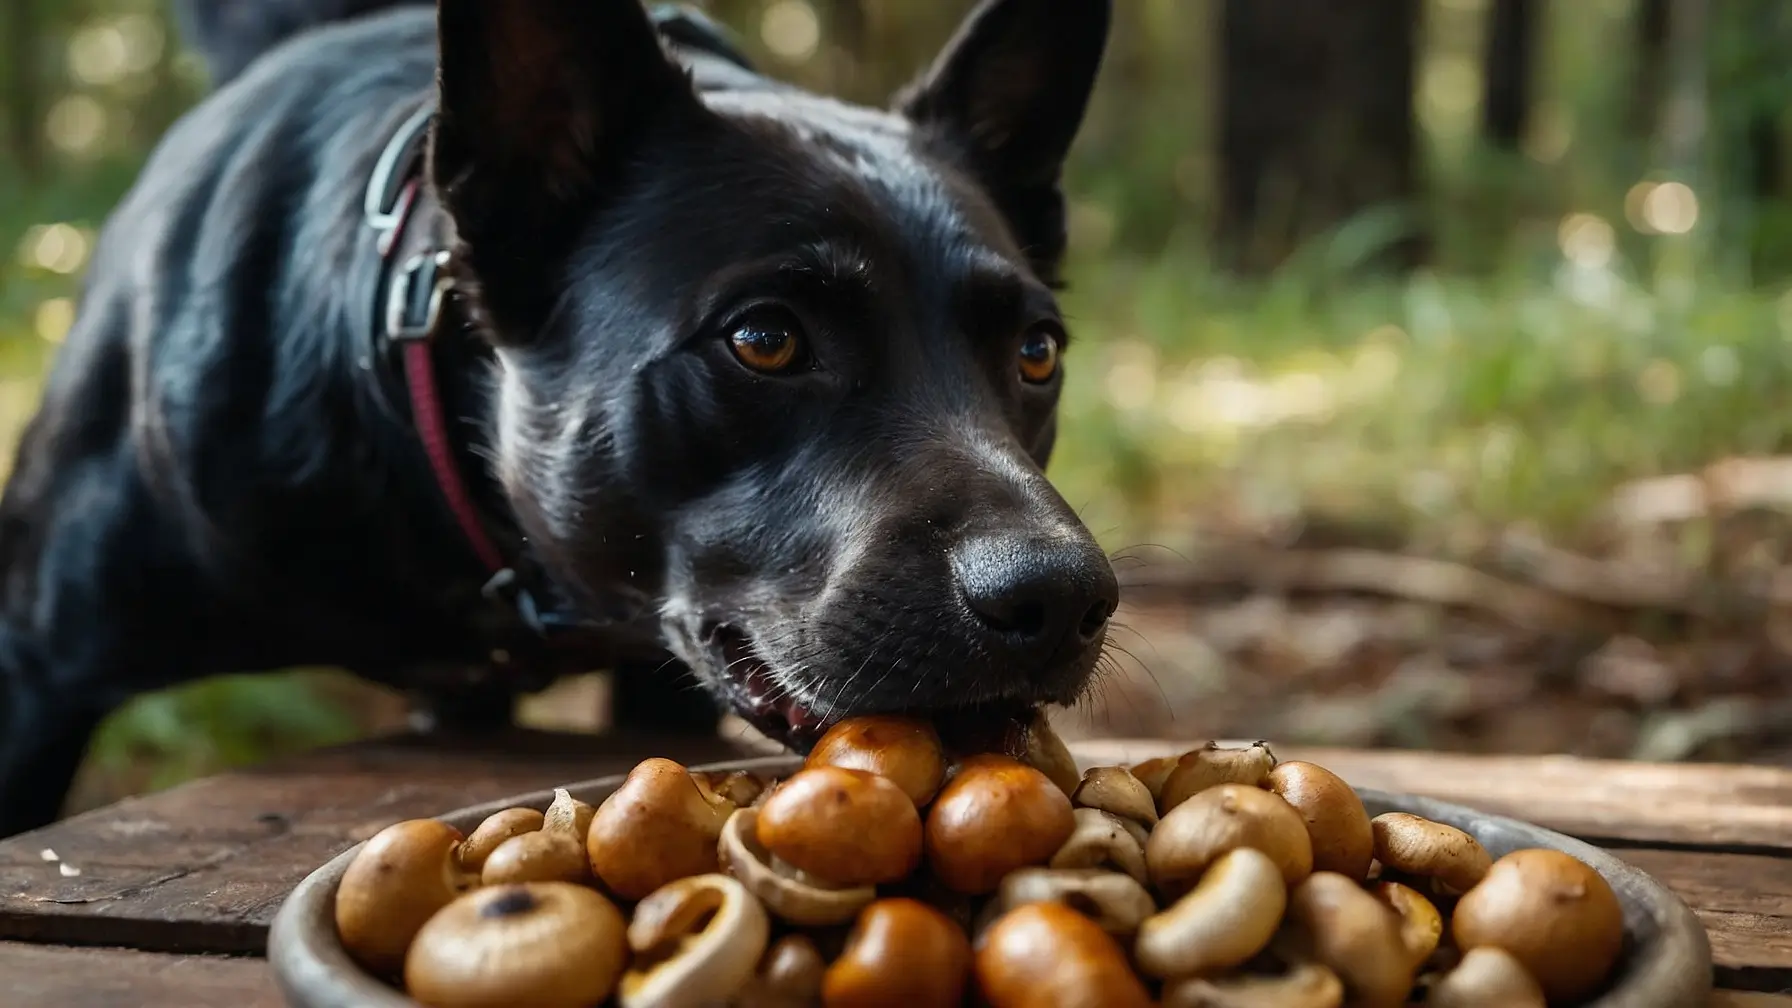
[
  {"x": 1659, "y": 382},
  {"x": 1720, "y": 365},
  {"x": 1551, "y": 132},
  {"x": 59, "y": 248},
  {"x": 53, "y": 319},
  {"x": 143, "y": 41},
  {"x": 1586, "y": 239},
  {"x": 76, "y": 124},
  {"x": 1449, "y": 91},
  {"x": 791, "y": 30},
  {"x": 1131, "y": 382},
  {"x": 99, "y": 54},
  {"x": 1634, "y": 198},
  {"x": 1671, "y": 208}
]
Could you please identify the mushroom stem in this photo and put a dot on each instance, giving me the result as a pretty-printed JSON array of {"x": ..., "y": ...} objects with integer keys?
[
  {"x": 696, "y": 941},
  {"x": 1100, "y": 840},
  {"x": 1487, "y": 977}
]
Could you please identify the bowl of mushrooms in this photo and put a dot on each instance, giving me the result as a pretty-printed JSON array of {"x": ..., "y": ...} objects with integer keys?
[{"x": 886, "y": 869}]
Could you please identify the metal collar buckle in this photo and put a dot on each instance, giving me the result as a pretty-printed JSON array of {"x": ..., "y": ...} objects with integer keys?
[{"x": 414, "y": 298}]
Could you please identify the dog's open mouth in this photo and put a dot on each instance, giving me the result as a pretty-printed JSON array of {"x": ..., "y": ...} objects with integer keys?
[{"x": 748, "y": 685}]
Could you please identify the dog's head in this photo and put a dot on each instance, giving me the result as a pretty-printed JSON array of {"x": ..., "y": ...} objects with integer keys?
[{"x": 786, "y": 366}]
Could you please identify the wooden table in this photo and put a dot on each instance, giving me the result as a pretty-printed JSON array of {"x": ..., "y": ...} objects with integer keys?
[{"x": 164, "y": 901}]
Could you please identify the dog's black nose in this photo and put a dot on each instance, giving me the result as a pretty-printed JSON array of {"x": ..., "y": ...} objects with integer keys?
[{"x": 1041, "y": 595}]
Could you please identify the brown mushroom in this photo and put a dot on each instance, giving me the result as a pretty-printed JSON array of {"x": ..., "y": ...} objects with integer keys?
[
  {"x": 1308, "y": 985},
  {"x": 995, "y": 816},
  {"x": 655, "y": 828},
  {"x": 1554, "y": 914},
  {"x": 901, "y": 953},
  {"x": 845, "y": 827},
  {"x": 1347, "y": 930},
  {"x": 1227, "y": 918},
  {"x": 397, "y": 881},
  {"x": 697, "y": 942},
  {"x": 1047, "y": 753},
  {"x": 553, "y": 853},
  {"x": 1116, "y": 902},
  {"x": 1487, "y": 977},
  {"x": 1419, "y": 847},
  {"x": 906, "y": 750},
  {"x": 1153, "y": 772},
  {"x": 566, "y": 814},
  {"x": 1194, "y": 834},
  {"x": 789, "y": 894},
  {"x": 789, "y": 976},
  {"x": 1336, "y": 821},
  {"x": 1421, "y": 926},
  {"x": 497, "y": 828},
  {"x": 1115, "y": 790},
  {"x": 545, "y": 944},
  {"x": 1210, "y": 766},
  {"x": 1101, "y": 840},
  {"x": 1046, "y": 955}
]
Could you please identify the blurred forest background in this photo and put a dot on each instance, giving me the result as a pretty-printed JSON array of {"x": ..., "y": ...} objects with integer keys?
[{"x": 1432, "y": 360}]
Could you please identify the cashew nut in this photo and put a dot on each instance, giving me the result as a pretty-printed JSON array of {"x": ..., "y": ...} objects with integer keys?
[
  {"x": 696, "y": 942},
  {"x": 1308, "y": 985},
  {"x": 1228, "y": 917},
  {"x": 1346, "y": 929}
]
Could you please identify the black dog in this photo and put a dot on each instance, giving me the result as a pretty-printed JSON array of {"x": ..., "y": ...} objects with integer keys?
[{"x": 718, "y": 367}]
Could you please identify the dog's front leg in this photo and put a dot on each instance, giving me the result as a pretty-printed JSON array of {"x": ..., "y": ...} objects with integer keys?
[{"x": 43, "y": 737}]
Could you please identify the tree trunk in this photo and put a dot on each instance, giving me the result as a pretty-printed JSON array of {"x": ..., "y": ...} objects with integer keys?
[
  {"x": 1316, "y": 123},
  {"x": 1510, "y": 56}
]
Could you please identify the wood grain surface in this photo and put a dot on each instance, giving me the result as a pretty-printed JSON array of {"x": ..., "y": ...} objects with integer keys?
[{"x": 126, "y": 978}]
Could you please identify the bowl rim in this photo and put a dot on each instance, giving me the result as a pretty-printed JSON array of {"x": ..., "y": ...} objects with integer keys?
[{"x": 1673, "y": 970}]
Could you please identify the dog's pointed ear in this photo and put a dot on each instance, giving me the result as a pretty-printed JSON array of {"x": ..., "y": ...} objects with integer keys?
[
  {"x": 540, "y": 102},
  {"x": 1006, "y": 97}
]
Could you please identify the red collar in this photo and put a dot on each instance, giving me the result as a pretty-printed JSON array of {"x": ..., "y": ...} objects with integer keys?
[{"x": 415, "y": 291}]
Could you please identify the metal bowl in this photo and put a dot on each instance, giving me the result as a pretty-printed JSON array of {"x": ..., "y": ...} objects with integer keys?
[{"x": 1666, "y": 964}]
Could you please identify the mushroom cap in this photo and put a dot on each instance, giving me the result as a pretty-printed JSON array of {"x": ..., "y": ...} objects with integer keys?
[
  {"x": 1193, "y": 834},
  {"x": 845, "y": 827},
  {"x": 1337, "y": 822},
  {"x": 1354, "y": 935},
  {"x": 1227, "y": 918},
  {"x": 497, "y": 828},
  {"x": 543, "y": 944},
  {"x": 1116, "y": 902},
  {"x": 1414, "y": 845},
  {"x": 1210, "y": 766},
  {"x": 1308, "y": 985},
  {"x": 541, "y": 856},
  {"x": 1487, "y": 977},
  {"x": 1101, "y": 840},
  {"x": 655, "y": 828},
  {"x": 1153, "y": 772},
  {"x": 697, "y": 941},
  {"x": 1421, "y": 926},
  {"x": 996, "y": 815},
  {"x": 901, "y": 953},
  {"x": 399, "y": 879},
  {"x": 1115, "y": 790},
  {"x": 1553, "y": 913},
  {"x": 1046, "y": 955},
  {"x": 789, "y": 896},
  {"x": 906, "y": 750},
  {"x": 789, "y": 976}
]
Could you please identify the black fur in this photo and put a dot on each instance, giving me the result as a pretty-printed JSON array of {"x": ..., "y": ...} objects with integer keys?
[{"x": 222, "y": 477}]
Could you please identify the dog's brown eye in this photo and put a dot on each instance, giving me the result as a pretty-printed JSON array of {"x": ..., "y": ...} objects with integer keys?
[
  {"x": 769, "y": 342},
  {"x": 1039, "y": 354}
]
